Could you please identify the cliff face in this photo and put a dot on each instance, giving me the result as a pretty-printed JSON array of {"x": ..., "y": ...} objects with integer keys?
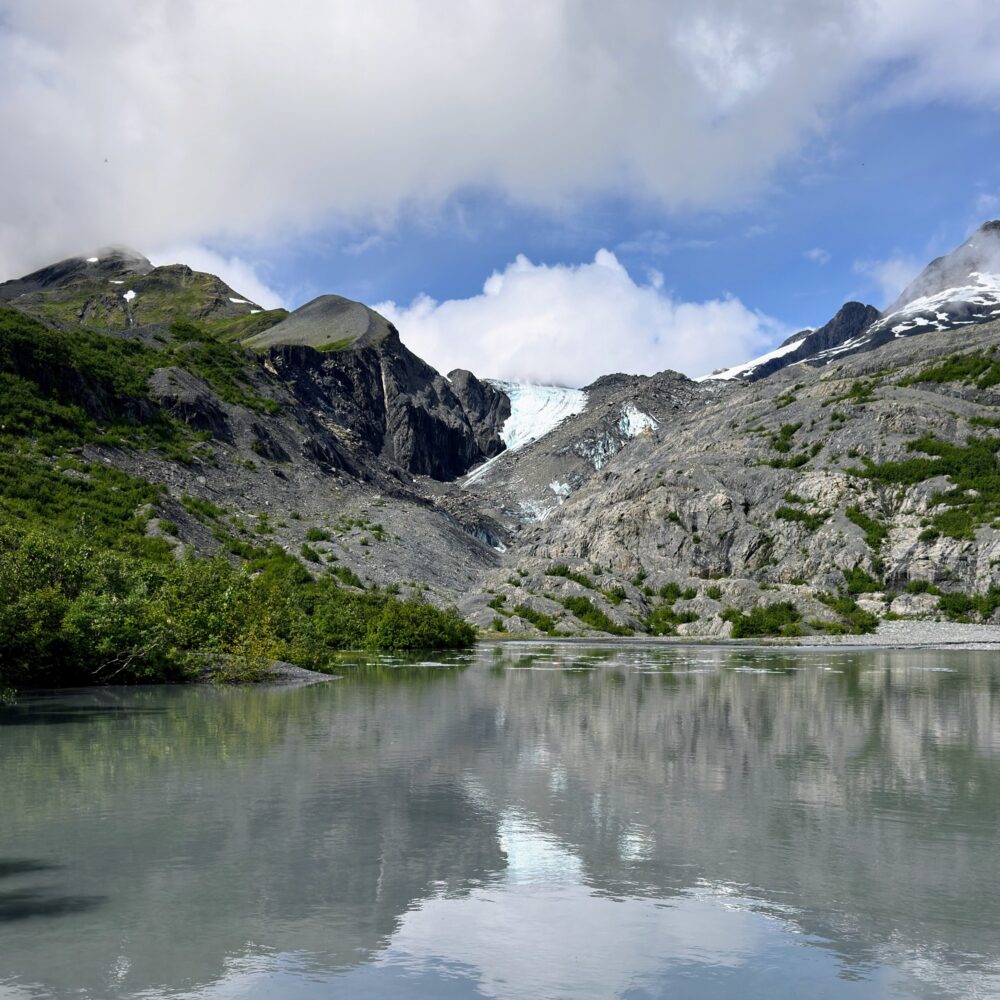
[{"x": 399, "y": 407}]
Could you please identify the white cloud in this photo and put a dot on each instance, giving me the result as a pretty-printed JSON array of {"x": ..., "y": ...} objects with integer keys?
[
  {"x": 178, "y": 121},
  {"x": 817, "y": 255},
  {"x": 568, "y": 324},
  {"x": 889, "y": 276},
  {"x": 239, "y": 274}
]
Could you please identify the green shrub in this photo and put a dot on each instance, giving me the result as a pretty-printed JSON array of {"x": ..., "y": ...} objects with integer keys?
[
  {"x": 317, "y": 535},
  {"x": 856, "y": 620},
  {"x": 541, "y": 621},
  {"x": 858, "y": 581},
  {"x": 592, "y": 616},
  {"x": 972, "y": 468},
  {"x": 782, "y": 441},
  {"x": 562, "y": 570},
  {"x": 72, "y": 612},
  {"x": 876, "y": 532},
  {"x": 781, "y": 618},
  {"x": 795, "y": 514},
  {"x": 960, "y": 607},
  {"x": 346, "y": 575},
  {"x": 664, "y": 620},
  {"x": 204, "y": 510},
  {"x": 980, "y": 368}
]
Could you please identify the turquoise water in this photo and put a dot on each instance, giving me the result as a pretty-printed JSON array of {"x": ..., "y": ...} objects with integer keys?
[{"x": 528, "y": 821}]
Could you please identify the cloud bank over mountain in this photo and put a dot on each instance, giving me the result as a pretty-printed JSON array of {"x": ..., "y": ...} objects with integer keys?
[
  {"x": 176, "y": 121},
  {"x": 570, "y": 324}
]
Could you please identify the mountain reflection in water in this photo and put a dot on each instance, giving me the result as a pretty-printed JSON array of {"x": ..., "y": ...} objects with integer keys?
[{"x": 531, "y": 820}]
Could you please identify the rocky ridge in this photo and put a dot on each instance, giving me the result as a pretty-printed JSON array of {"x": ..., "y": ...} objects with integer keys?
[{"x": 959, "y": 289}]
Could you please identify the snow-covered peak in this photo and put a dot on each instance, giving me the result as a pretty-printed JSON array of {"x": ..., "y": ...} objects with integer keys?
[
  {"x": 975, "y": 300},
  {"x": 747, "y": 368}
]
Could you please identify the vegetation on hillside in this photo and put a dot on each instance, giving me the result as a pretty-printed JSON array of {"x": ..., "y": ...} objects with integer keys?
[
  {"x": 973, "y": 468},
  {"x": 86, "y": 596},
  {"x": 77, "y": 612}
]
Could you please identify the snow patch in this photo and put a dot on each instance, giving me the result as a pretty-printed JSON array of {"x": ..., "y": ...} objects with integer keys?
[
  {"x": 984, "y": 290},
  {"x": 239, "y": 302},
  {"x": 561, "y": 490},
  {"x": 129, "y": 295},
  {"x": 253, "y": 312},
  {"x": 748, "y": 366},
  {"x": 532, "y": 511},
  {"x": 113, "y": 282},
  {"x": 93, "y": 260},
  {"x": 537, "y": 409},
  {"x": 634, "y": 421}
]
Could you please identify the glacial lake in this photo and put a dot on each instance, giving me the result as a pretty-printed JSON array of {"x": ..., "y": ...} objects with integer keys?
[{"x": 525, "y": 821}]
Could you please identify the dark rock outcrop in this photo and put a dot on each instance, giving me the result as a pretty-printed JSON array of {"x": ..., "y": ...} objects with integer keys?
[
  {"x": 486, "y": 407},
  {"x": 381, "y": 395}
]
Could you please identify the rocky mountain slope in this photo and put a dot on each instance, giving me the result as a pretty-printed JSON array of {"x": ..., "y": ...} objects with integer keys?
[{"x": 858, "y": 483}]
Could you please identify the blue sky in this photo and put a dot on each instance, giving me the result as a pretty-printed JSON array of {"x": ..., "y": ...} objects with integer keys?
[
  {"x": 906, "y": 184},
  {"x": 658, "y": 183}
]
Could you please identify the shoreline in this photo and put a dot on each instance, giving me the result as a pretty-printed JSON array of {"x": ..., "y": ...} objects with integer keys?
[{"x": 900, "y": 634}]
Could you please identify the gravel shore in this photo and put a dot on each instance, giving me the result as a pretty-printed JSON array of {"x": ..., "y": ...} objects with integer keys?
[{"x": 915, "y": 635}]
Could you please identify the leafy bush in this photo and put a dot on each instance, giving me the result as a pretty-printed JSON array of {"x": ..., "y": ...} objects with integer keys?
[
  {"x": 202, "y": 509},
  {"x": 858, "y": 581},
  {"x": 795, "y": 514},
  {"x": 856, "y": 620},
  {"x": 592, "y": 616},
  {"x": 980, "y": 368},
  {"x": 76, "y": 612},
  {"x": 959, "y": 607},
  {"x": 664, "y": 620},
  {"x": 781, "y": 618},
  {"x": 562, "y": 570},
  {"x": 782, "y": 441},
  {"x": 541, "y": 621},
  {"x": 876, "y": 532}
]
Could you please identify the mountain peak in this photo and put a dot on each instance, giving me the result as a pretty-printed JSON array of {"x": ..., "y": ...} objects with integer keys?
[
  {"x": 328, "y": 322},
  {"x": 959, "y": 274}
]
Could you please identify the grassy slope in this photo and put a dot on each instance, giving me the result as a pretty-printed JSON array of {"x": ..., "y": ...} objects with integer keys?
[{"x": 85, "y": 595}]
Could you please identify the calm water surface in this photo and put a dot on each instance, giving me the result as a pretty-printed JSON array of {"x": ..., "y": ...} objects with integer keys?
[{"x": 528, "y": 821}]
